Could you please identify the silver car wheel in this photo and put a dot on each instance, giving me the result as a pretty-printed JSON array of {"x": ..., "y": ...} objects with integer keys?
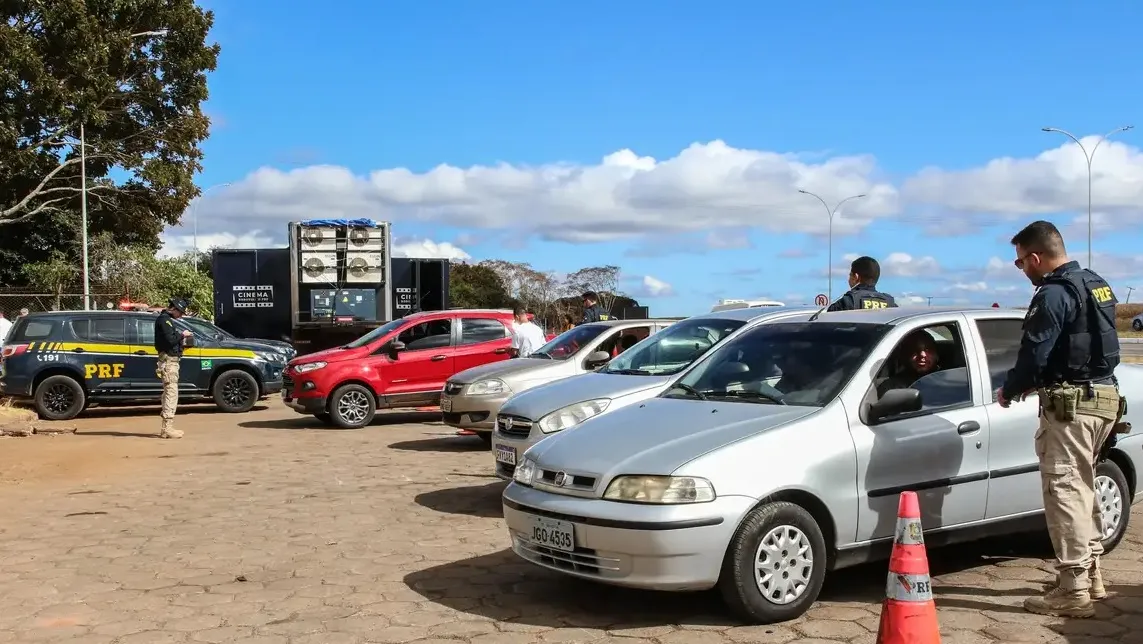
[
  {"x": 783, "y": 565},
  {"x": 1110, "y": 500},
  {"x": 353, "y": 407}
]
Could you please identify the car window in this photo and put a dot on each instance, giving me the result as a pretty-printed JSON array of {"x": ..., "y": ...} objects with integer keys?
[
  {"x": 673, "y": 348},
  {"x": 793, "y": 363},
  {"x": 433, "y": 334},
  {"x": 566, "y": 344},
  {"x": 477, "y": 330},
  {"x": 919, "y": 357},
  {"x": 144, "y": 331},
  {"x": 101, "y": 329},
  {"x": 622, "y": 340},
  {"x": 32, "y": 331},
  {"x": 1001, "y": 346}
]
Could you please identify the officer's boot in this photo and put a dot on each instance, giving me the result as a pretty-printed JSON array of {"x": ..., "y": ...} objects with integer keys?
[
  {"x": 1095, "y": 575},
  {"x": 168, "y": 430},
  {"x": 1065, "y": 599}
]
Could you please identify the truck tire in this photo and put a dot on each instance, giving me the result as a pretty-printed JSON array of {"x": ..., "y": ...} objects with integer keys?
[
  {"x": 352, "y": 407},
  {"x": 59, "y": 398},
  {"x": 235, "y": 391}
]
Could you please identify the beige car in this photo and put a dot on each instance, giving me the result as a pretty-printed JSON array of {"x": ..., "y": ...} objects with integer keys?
[{"x": 471, "y": 398}]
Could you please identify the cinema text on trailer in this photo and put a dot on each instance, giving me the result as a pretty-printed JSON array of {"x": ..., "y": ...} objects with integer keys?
[{"x": 249, "y": 297}]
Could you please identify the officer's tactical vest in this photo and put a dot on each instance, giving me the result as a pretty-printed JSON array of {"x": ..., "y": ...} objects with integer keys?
[
  {"x": 1088, "y": 348},
  {"x": 867, "y": 298}
]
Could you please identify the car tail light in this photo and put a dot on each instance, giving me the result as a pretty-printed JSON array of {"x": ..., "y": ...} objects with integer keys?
[{"x": 13, "y": 350}]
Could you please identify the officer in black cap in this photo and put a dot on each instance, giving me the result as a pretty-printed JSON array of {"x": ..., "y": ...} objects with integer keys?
[
  {"x": 863, "y": 294},
  {"x": 1068, "y": 355},
  {"x": 592, "y": 311},
  {"x": 169, "y": 345}
]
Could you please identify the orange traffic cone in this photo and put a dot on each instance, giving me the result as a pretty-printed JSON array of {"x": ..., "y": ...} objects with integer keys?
[{"x": 909, "y": 615}]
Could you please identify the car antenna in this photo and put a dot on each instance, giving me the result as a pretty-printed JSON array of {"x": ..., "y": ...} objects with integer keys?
[{"x": 815, "y": 315}]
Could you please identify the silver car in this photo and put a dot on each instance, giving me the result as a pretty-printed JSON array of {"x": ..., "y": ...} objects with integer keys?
[
  {"x": 780, "y": 455},
  {"x": 472, "y": 398},
  {"x": 636, "y": 375}
]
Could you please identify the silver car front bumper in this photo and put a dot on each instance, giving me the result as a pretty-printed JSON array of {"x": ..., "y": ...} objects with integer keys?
[
  {"x": 472, "y": 412},
  {"x": 677, "y": 548}
]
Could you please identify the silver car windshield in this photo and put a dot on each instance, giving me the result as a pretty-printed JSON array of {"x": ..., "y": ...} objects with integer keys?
[
  {"x": 671, "y": 350},
  {"x": 566, "y": 344},
  {"x": 803, "y": 364}
]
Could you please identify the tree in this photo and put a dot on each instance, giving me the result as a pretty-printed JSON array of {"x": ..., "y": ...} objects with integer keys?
[
  {"x": 475, "y": 286},
  {"x": 132, "y": 75},
  {"x": 54, "y": 275},
  {"x": 537, "y": 291},
  {"x": 604, "y": 280}
]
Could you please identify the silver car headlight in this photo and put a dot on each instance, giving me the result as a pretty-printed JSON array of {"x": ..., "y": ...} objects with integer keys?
[
  {"x": 489, "y": 387},
  {"x": 308, "y": 367},
  {"x": 662, "y": 490},
  {"x": 525, "y": 471},
  {"x": 573, "y": 415}
]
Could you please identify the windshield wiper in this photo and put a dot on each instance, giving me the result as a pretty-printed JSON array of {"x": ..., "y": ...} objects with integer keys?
[
  {"x": 689, "y": 389},
  {"x": 540, "y": 354},
  {"x": 628, "y": 372},
  {"x": 755, "y": 396}
]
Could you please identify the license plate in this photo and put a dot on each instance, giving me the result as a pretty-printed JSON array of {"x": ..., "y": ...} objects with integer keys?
[
  {"x": 446, "y": 404},
  {"x": 551, "y": 533},
  {"x": 506, "y": 455}
]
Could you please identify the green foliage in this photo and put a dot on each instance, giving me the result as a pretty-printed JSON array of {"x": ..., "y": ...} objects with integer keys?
[
  {"x": 476, "y": 286},
  {"x": 137, "y": 93}
]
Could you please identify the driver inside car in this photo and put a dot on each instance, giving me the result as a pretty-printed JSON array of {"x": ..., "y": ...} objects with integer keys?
[{"x": 915, "y": 357}]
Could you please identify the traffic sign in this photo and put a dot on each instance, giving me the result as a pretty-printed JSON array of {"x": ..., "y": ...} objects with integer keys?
[{"x": 821, "y": 299}]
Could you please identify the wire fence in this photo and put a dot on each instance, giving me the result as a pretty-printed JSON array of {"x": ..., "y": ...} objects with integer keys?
[{"x": 13, "y": 302}]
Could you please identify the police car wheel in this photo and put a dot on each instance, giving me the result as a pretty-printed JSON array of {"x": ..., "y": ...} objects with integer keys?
[
  {"x": 352, "y": 407},
  {"x": 1112, "y": 495},
  {"x": 59, "y": 398},
  {"x": 775, "y": 565},
  {"x": 235, "y": 391}
]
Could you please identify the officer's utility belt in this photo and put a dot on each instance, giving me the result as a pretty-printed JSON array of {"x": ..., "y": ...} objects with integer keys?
[{"x": 1066, "y": 401}]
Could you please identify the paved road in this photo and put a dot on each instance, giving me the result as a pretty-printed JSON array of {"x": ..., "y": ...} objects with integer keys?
[{"x": 260, "y": 530}]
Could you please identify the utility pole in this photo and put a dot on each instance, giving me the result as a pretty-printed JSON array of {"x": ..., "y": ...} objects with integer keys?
[
  {"x": 829, "y": 255},
  {"x": 1129, "y": 289},
  {"x": 83, "y": 217}
]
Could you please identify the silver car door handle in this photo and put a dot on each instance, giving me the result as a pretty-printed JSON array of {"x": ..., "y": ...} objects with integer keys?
[{"x": 968, "y": 427}]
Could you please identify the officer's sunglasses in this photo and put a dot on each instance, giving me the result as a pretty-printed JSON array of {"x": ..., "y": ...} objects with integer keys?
[{"x": 1020, "y": 260}]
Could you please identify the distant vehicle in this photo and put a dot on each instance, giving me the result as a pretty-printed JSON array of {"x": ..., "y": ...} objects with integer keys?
[
  {"x": 403, "y": 363},
  {"x": 472, "y": 398},
  {"x": 638, "y": 374},
  {"x": 780, "y": 455},
  {"x": 730, "y": 305},
  {"x": 64, "y": 361}
]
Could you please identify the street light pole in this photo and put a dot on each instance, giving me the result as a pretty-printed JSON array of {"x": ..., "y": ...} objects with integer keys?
[
  {"x": 829, "y": 255},
  {"x": 1088, "y": 157},
  {"x": 194, "y": 219}
]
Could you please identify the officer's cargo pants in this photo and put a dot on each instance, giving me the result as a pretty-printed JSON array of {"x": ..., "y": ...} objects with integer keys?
[
  {"x": 168, "y": 372},
  {"x": 1067, "y": 452}
]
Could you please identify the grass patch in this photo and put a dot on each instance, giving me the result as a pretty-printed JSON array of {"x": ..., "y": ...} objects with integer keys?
[{"x": 9, "y": 412}]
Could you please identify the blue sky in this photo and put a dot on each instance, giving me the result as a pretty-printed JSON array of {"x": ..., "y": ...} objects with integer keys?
[{"x": 850, "y": 97}]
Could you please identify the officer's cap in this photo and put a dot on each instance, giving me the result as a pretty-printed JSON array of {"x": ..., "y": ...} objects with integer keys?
[{"x": 179, "y": 304}]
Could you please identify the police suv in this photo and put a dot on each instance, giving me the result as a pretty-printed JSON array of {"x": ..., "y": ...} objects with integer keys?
[{"x": 64, "y": 361}]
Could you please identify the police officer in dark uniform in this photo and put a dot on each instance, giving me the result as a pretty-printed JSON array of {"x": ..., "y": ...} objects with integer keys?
[
  {"x": 592, "y": 312},
  {"x": 169, "y": 342},
  {"x": 863, "y": 294},
  {"x": 1068, "y": 356}
]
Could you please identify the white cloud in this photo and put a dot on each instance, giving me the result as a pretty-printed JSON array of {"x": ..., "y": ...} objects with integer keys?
[
  {"x": 653, "y": 287},
  {"x": 174, "y": 244},
  {"x": 895, "y": 265},
  {"x": 427, "y": 248}
]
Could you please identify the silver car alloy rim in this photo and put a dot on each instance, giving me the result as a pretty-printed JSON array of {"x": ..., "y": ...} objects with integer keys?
[
  {"x": 1110, "y": 500},
  {"x": 783, "y": 565},
  {"x": 353, "y": 407}
]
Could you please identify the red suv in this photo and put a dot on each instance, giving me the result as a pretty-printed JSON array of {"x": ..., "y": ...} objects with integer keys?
[{"x": 403, "y": 363}]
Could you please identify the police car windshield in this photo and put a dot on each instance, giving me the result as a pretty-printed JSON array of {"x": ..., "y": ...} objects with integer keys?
[
  {"x": 566, "y": 344},
  {"x": 672, "y": 349},
  {"x": 206, "y": 328},
  {"x": 793, "y": 363},
  {"x": 380, "y": 331}
]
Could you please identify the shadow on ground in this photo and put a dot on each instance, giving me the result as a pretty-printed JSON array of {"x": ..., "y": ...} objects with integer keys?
[
  {"x": 185, "y": 409},
  {"x": 311, "y": 423},
  {"x": 443, "y": 443},
  {"x": 502, "y": 586},
  {"x": 470, "y": 500}
]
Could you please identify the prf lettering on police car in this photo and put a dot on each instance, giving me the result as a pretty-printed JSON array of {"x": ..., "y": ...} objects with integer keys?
[
  {"x": 102, "y": 371},
  {"x": 1102, "y": 294}
]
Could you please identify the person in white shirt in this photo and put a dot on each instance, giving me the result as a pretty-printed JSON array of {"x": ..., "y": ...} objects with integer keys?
[
  {"x": 5, "y": 327},
  {"x": 526, "y": 336}
]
